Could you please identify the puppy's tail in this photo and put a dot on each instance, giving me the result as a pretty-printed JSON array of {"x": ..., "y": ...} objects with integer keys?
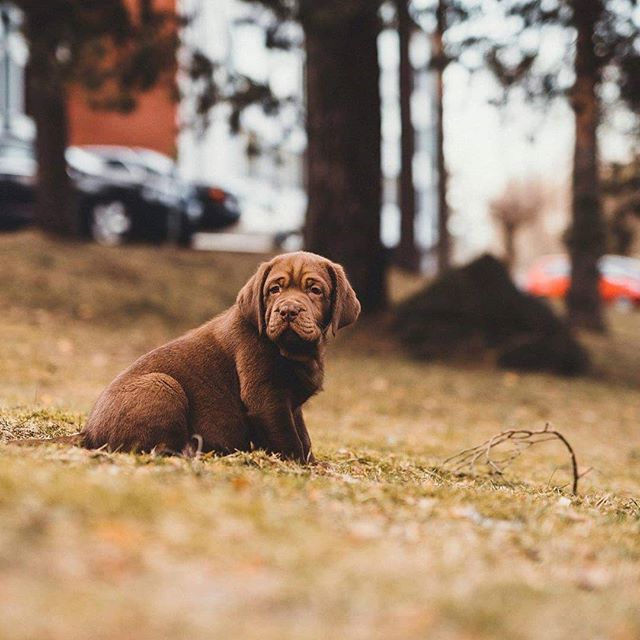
[{"x": 75, "y": 439}]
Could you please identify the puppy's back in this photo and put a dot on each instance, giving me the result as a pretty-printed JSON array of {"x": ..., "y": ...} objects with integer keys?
[{"x": 169, "y": 394}]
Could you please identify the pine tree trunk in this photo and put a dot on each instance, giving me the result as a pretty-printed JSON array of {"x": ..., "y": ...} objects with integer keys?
[
  {"x": 407, "y": 255},
  {"x": 56, "y": 211},
  {"x": 509, "y": 235},
  {"x": 146, "y": 11},
  {"x": 343, "y": 129},
  {"x": 587, "y": 237},
  {"x": 440, "y": 64}
]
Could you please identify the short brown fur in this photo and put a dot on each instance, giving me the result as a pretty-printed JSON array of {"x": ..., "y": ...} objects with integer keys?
[{"x": 240, "y": 380}]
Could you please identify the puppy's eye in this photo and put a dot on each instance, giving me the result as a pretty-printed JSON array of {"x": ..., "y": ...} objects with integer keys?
[
  {"x": 274, "y": 288},
  {"x": 315, "y": 289}
]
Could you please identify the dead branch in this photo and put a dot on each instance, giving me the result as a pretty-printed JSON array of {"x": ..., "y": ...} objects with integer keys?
[{"x": 519, "y": 440}]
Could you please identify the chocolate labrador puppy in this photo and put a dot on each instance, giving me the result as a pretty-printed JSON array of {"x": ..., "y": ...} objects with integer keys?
[{"x": 239, "y": 380}]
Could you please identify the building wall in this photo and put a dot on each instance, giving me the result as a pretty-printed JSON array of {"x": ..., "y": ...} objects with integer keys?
[{"x": 153, "y": 124}]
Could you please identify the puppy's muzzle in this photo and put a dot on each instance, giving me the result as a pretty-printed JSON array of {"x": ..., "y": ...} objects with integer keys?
[
  {"x": 290, "y": 316},
  {"x": 289, "y": 311}
]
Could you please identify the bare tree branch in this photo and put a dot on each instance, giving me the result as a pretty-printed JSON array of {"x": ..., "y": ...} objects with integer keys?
[{"x": 519, "y": 440}]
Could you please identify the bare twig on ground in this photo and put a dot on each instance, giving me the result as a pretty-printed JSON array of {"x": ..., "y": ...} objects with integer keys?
[{"x": 518, "y": 440}]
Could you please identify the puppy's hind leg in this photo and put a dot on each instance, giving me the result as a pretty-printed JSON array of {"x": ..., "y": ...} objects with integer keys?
[{"x": 145, "y": 413}]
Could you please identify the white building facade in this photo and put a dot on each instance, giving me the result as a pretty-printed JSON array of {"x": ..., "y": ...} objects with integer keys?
[{"x": 13, "y": 59}]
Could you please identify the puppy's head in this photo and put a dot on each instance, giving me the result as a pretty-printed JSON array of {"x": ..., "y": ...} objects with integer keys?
[{"x": 296, "y": 298}]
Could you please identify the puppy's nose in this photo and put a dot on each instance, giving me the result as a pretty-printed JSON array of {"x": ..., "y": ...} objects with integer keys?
[{"x": 289, "y": 311}]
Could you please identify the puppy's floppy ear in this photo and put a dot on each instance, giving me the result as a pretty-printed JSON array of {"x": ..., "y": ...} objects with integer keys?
[
  {"x": 250, "y": 300},
  {"x": 345, "y": 307}
]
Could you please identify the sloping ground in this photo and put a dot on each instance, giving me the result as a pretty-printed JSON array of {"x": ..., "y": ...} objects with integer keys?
[
  {"x": 171, "y": 287},
  {"x": 377, "y": 541}
]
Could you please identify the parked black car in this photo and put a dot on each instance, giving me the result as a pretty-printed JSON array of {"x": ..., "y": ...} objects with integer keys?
[
  {"x": 123, "y": 194},
  {"x": 213, "y": 207},
  {"x": 17, "y": 179},
  {"x": 219, "y": 208}
]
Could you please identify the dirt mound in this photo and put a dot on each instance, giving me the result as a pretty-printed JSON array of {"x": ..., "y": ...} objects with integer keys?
[{"x": 477, "y": 309}]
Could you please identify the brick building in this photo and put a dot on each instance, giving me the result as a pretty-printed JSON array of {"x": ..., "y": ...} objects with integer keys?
[{"x": 153, "y": 124}]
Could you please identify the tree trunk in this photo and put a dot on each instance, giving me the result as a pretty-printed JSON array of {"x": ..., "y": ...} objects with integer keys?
[
  {"x": 343, "y": 129},
  {"x": 407, "y": 255},
  {"x": 56, "y": 211},
  {"x": 587, "y": 236},
  {"x": 440, "y": 64},
  {"x": 622, "y": 232},
  {"x": 509, "y": 235},
  {"x": 146, "y": 11}
]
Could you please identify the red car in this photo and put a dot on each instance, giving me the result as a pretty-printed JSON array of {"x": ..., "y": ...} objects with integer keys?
[{"x": 549, "y": 277}]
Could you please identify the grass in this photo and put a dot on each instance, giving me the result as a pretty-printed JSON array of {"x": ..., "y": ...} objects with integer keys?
[{"x": 376, "y": 541}]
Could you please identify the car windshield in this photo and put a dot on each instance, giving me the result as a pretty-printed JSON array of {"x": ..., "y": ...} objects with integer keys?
[
  {"x": 83, "y": 161},
  {"x": 155, "y": 162},
  {"x": 135, "y": 161}
]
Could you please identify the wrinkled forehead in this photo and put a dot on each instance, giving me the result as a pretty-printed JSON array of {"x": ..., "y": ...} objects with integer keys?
[{"x": 299, "y": 269}]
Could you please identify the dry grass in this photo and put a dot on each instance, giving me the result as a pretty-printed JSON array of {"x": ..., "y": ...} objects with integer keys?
[{"x": 375, "y": 542}]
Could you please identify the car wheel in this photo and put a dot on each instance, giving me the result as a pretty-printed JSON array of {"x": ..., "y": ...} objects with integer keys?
[
  {"x": 185, "y": 236},
  {"x": 110, "y": 223}
]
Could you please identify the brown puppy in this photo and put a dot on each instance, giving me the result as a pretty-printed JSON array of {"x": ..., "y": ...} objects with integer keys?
[{"x": 241, "y": 378}]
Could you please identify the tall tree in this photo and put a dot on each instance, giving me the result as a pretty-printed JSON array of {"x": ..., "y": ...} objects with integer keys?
[
  {"x": 440, "y": 18},
  {"x": 407, "y": 254},
  {"x": 343, "y": 130},
  {"x": 587, "y": 236},
  {"x": 439, "y": 64},
  {"x": 342, "y": 104},
  {"x": 55, "y": 206},
  {"x": 606, "y": 50}
]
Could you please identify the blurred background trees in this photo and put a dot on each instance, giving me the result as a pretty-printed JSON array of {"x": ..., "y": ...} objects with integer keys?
[
  {"x": 605, "y": 55},
  {"x": 407, "y": 254},
  {"x": 116, "y": 50}
]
